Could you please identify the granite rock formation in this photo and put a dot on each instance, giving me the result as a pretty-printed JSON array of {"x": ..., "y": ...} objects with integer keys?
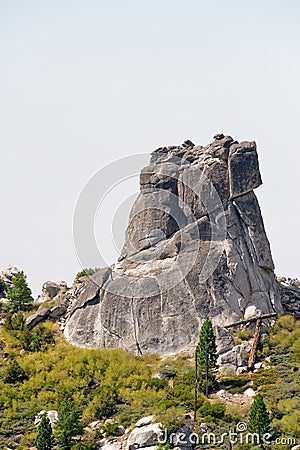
[
  {"x": 195, "y": 247},
  {"x": 8, "y": 274}
]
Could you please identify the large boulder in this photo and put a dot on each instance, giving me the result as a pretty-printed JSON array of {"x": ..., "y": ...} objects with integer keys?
[
  {"x": 8, "y": 274},
  {"x": 38, "y": 317},
  {"x": 195, "y": 246},
  {"x": 145, "y": 436},
  {"x": 42, "y": 314},
  {"x": 50, "y": 289}
]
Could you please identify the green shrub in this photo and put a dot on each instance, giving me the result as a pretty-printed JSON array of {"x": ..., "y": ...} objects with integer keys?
[
  {"x": 14, "y": 321},
  {"x": 285, "y": 322},
  {"x": 156, "y": 383},
  {"x": 215, "y": 410},
  {"x": 168, "y": 371},
  {"x": 85, "y": 274},
  {"x": 106, "y": 398},
  {"x": 244, "y": 334},
  {"x": 172, "y": 419},
  {"x": 85, "y": 445},
  {"x": 112, "y": 429}
]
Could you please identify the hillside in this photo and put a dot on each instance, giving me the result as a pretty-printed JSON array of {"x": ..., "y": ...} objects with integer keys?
[{"x": 117, "y": 384}]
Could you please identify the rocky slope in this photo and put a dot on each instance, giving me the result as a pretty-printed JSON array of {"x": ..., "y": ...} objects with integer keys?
[{"x": 195, "y": 246}]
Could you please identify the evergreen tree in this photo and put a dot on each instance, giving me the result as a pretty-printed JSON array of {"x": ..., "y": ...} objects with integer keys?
[
  {"x": 68, "y": 424},
  {"x": 44, "y": 439},
  {"x": 205, "y": 358},
  {"x": 15, "y": 373},
  {"x": 19, "y": 294},
  {"x": 259, "y": 420},
  {"x": 14, "y": 321}
]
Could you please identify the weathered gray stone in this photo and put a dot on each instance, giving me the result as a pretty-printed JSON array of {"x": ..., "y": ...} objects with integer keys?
[
  {"x": 50, "y": 289},
  {"x": 249, "y": 392},
  {"x": 195, "y": 247},
  {"x": 52, "y": 416},
  {"x": 224, "y": 340},
  {"x": 249, "y": 211},
  {"x": 145, "y": 436},
  {"x": 144, "y": 421},
  {"x": 244, "y": 174},
  {"x": 8, "y": 274},
  {"x": 234, "y": 357},
  {"x": 111, "y": 444},
  {"x": 251, "y": 312},
  {"x": 57, "y": 311},
  {"x": 40, "y": 316},
  {"x": 188, "y": 144},
  {"x": 218, "y": 136},
  {"x": 290, "y": 297},
  {"x": 92, "y": 288}
]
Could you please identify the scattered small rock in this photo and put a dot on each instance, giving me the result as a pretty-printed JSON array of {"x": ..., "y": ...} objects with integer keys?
[
  {"x": 94, "y": 425},
  {"x": 221, "y": 393},
  {"x": 252, "y": 311},
  {"x": 204, "y": 427},
  {"x": 52, "y": 416},
  {"x": 188, "y": 144},
  {"x": 258, "y": 365},
  {"x": 144, "y": 421},
  {"x": 218, "y": 136},
  {"x": 109, "y": 421},
  {"x": 249, "y": 392}
]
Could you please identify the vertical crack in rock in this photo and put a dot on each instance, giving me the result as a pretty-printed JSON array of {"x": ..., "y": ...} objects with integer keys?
[{"x": 135, "y": 327}]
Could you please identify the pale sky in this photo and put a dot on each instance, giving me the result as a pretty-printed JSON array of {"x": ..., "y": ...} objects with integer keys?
[{"x": 83, "y": 83}]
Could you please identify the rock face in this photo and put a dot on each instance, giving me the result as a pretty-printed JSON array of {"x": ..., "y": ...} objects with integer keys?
[
  {"x": 8, "y": 274},
  {"x": 195, "y": 247},
  {"x": 290, "y": 296}
]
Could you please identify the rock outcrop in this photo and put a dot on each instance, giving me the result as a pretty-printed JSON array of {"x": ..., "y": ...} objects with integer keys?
[
  {"x": 50, "y": 290},
  {"x": 195, "y": 247},
  {"x": 8, "y": 274},
  {"x": 290, "y": 296},
  {"x": 42, "y": 314}
]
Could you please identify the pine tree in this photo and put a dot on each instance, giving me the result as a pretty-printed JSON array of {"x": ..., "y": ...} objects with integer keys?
[
  {"x": 14, "y": 373},
  {"x": 259, "y": 420},
  {"x": 19, "y": 294},
  {"x": 44, "y": 439},
  {"x": 205, "y": 358},
  {"x": 68, "y": 424}
]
